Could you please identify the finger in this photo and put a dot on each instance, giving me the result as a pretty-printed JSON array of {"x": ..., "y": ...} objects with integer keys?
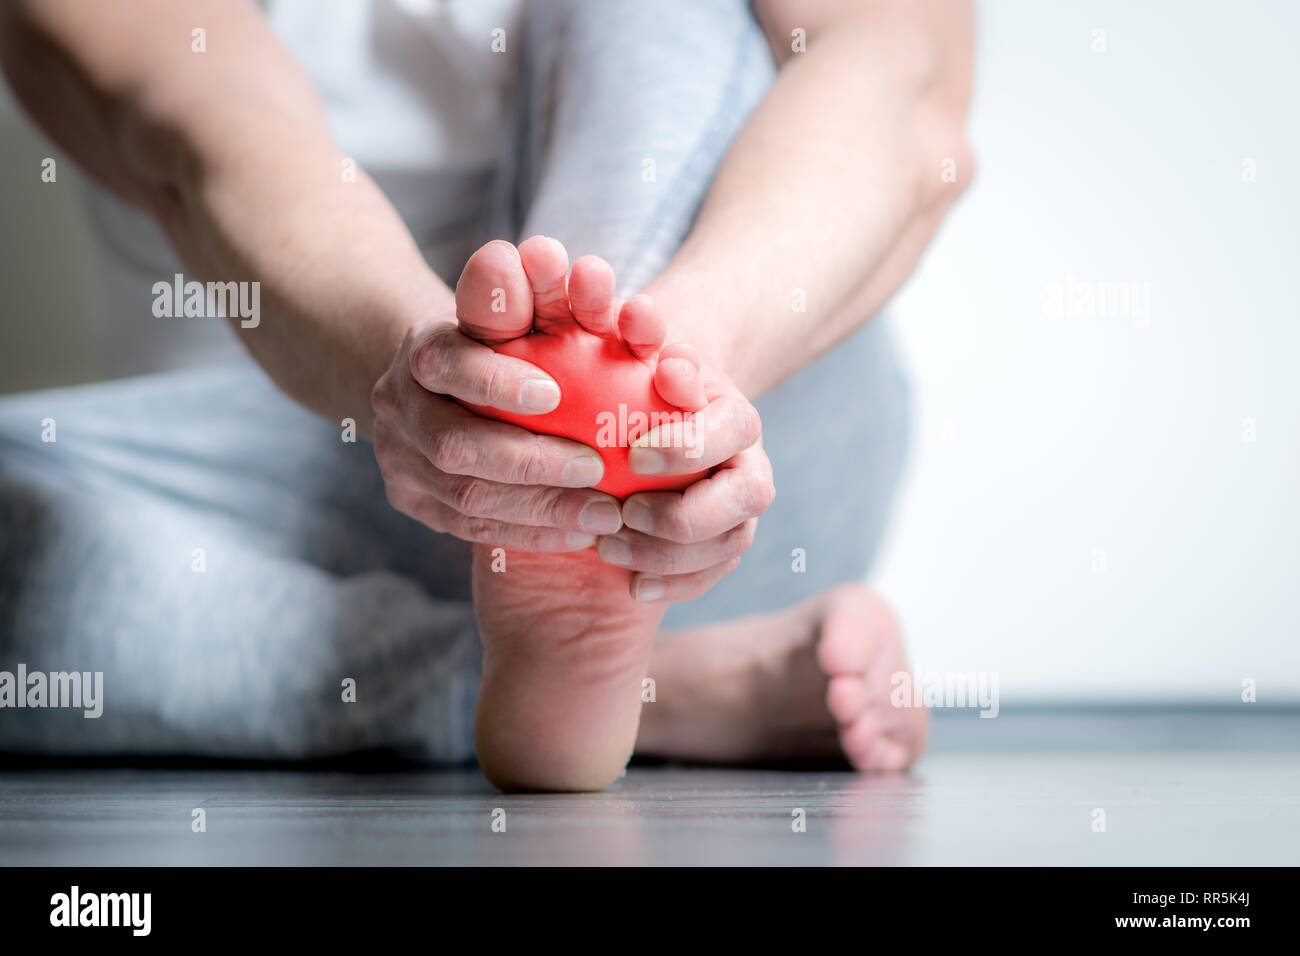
[
  {"x": 678, "y": 383},
  {"x": 449, "y": 363},
  {"x": 408, "y": 498},
  {"x": 642, "y": 327},
  {"x": 458, "y": 442},
  {"x": 591, "y": 295},
  {"x": 533, "y": 505},
  {"x": 433, "y": 513},
  {"x": 679, "y": 587},
  {"x": 708, "y": 508},
  {"x": 547, "y": 264},
  {"x": 719, "y": 431},
  {"x": 645, "y": 553}
]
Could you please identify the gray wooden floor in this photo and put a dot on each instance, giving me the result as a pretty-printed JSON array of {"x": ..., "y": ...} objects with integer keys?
[{"x": 1185, "y": 800}]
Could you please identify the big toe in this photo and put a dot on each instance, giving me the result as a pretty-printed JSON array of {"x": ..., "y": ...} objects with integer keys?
[
  {"x": 494, "y": 299},
  {"x": 857, "y": 628}
]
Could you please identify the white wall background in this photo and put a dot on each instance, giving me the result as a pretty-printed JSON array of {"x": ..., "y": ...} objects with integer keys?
[
  {"x": 1040, "y": 439},
  {"x": 1043, "y": 438}
]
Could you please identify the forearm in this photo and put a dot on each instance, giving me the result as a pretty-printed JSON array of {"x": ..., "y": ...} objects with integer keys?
[
  {"x": 341, "y": 279},
  {"x": 229, "y": 150},
  {"x": 823, "y": 204}
]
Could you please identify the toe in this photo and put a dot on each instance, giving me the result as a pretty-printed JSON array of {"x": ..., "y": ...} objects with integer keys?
[
  {"x": 494, "y": 300},
  {"x": 642, "y": 326},
  {"x": 859, "y": 740},
  {"x": 889, "y": 755},
  {"x": 858, "y": 626},
  {"x": 678, "y": 383},
  {"x": 845, "y": 647},
  {"x": 547, "y": 264},
  {"x": 846, "y": 698},
  {"x": 591, "y": 295}
]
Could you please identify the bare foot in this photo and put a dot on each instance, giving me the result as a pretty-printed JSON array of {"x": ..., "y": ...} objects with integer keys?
[
  {"x": 810, "y": 681},
  {"x": 565, "y": 643},
  {"x": 618, "y": 380}
]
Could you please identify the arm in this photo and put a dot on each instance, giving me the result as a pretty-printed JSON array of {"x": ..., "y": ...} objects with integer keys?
[
  {"x": 833, "y": 187},
  {"x": 229, "y": 150}
]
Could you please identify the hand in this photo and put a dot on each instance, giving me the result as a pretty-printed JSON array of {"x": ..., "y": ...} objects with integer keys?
[
  {"x": 680, "y": 544},
  {"x": 482, "y": 480}
]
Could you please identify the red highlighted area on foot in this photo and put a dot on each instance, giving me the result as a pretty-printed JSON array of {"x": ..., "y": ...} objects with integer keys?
[{"x": 607, "y": 401}]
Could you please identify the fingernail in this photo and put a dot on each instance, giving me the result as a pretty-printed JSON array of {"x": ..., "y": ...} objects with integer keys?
[
  {"x": 646, "y": 461},
  {"x": 577, "y": 540},
  {"x": 614, "y": 551},
  {"x": 539, "y": 395},
  {"x": 600, "y": 517},
  {"x": 583, "y": 471},
  {"x": 637, "y": 516},
  {"x": 649, "y": 589}
]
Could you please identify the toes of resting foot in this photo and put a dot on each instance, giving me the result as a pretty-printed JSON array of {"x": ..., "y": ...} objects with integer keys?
[
  {"x": 591, "y": 295},
  {"x": 494, "y": 300},
  {"x": 547, "y": 264},
  {"x": 858, "y": 738},
  {"x": 868, "y": 747},
  {"x": 886, "y": 754},
  {"x": 642, "y": 327},
  {"x": 846, "y": 697},
  {"x": 858, "y": 628},
  {"x": 843, "y": 648}
]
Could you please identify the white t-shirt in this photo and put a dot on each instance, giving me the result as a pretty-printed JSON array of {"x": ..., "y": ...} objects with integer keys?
[{"x": 417, "y": 92}]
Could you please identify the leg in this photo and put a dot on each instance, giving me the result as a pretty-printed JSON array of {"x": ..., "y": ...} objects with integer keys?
[
  {"x": 625, "y": 111},
  {"x": 565, "y": 646},
  {"x": 606, "y": 85},
  {"x": 810, "y": 673},
  {"x": 305, "y": 578},
  {"x": 836, "y": 475},
  {"x": 612, "y": 154}
]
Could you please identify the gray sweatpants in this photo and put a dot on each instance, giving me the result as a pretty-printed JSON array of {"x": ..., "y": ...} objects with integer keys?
[{"x": 228, "y": 562}]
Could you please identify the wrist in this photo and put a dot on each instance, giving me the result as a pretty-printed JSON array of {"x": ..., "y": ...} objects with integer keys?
[{"x": 427, "y": 301}]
